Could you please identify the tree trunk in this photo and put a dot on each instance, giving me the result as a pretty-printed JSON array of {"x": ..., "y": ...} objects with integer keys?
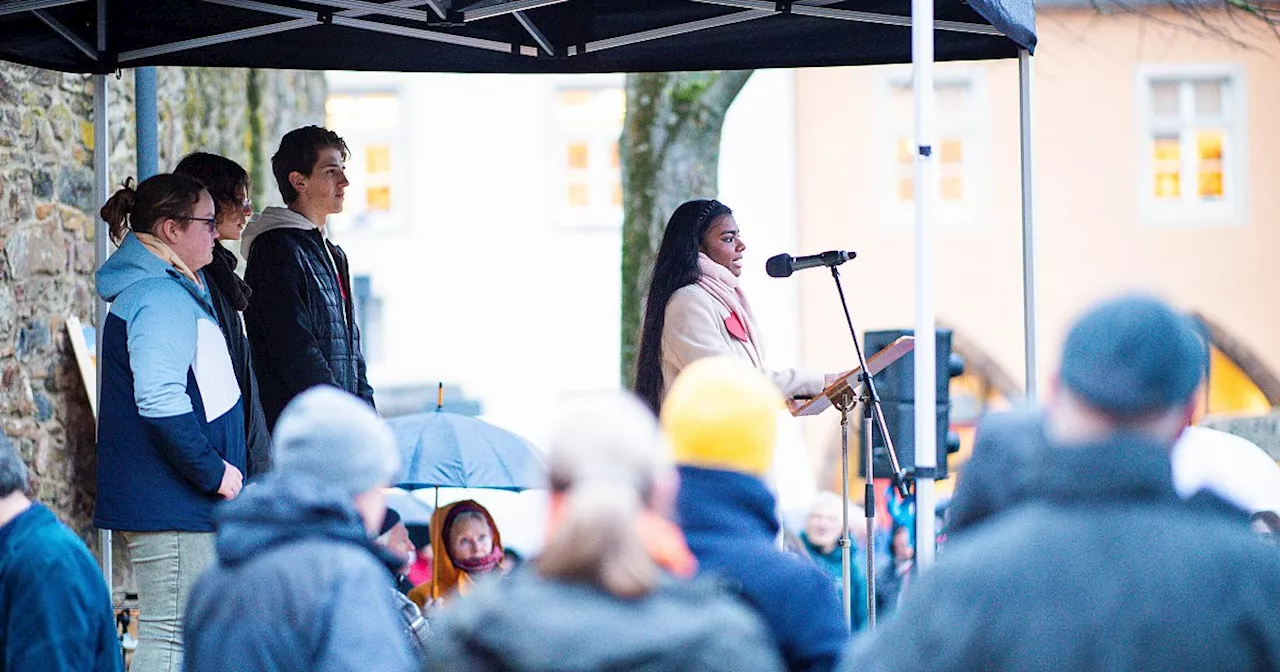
[{"x": 670, "y": 152}]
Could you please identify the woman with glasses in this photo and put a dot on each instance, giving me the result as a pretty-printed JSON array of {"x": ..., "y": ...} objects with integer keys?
[
  {"x": 171, "y": 438},
  {"x": 695, "y": 308},
  {"x": 228, "y": 184}
]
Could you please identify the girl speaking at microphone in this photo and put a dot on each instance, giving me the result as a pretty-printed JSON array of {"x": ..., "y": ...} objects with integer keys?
[{"x": 696, "y": 309}]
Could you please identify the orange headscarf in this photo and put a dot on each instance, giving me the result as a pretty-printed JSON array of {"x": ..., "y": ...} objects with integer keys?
[{"x": 446, "y": 577}]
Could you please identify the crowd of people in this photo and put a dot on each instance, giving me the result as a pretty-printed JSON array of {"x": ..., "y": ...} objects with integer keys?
[{"x": 243, "y": 460}]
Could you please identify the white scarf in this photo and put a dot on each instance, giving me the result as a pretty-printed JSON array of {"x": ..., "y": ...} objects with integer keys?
[{"x": 722, "y": 285}]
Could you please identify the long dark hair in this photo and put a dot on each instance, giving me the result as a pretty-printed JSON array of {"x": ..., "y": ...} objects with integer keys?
[
  {"x": 675, "y": 267},
  {"x": 226, "y": 180}
]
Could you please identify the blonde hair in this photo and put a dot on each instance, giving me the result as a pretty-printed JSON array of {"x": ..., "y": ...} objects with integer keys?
[{"x": 605, "y": 457}]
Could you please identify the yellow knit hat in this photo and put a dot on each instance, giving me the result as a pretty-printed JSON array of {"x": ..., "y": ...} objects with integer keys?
[{"x": 722, "y": 414}]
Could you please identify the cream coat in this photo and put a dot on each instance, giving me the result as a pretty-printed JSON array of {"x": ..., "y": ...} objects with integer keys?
[{"x": 695, "y": 329}]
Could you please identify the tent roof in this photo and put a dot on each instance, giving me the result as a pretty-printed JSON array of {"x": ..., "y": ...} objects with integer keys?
[{"x": 516, "y": 36}]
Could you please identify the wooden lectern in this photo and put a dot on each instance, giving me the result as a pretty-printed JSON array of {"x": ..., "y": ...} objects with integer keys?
[
  {"x": 843, "y": 393},
  {"x": 847, "y": 384}
]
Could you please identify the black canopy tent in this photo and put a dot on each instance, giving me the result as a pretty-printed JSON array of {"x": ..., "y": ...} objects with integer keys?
[
  {"x": 558, "y": 36},
  {"x": 515, "y": 36}
]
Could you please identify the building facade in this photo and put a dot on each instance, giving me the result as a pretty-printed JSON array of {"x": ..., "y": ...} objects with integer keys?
[{"x": 1155, "y": 148}]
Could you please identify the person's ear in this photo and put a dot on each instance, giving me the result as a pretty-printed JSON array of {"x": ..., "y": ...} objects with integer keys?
[
  {"x": 1190, "y": 411},
  {"x": 298, "y": 181},
  {"x": 168, "y": 231}
]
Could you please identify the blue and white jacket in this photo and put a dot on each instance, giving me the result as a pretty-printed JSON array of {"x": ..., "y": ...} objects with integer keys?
[{"x": 170, "y": 411}]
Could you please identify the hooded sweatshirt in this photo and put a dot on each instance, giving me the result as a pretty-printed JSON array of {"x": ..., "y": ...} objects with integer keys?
[
  {"x": 270, "y": 219},
  {"x": 171, "y": 411},
  {"x": 298, "y": 585}
]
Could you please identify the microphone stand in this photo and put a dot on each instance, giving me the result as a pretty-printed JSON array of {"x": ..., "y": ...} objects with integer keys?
[{"x": 871, "y": 411}]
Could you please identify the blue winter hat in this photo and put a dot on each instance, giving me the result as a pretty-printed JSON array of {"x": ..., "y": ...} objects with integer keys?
[{"x": 1133, "y": 355}]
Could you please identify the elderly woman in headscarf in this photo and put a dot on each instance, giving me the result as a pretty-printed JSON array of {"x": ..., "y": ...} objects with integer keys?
[{"x": 465, "y": 544}]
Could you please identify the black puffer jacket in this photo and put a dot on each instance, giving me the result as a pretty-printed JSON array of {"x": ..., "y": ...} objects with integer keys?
[{"x": 301, "y": 321}]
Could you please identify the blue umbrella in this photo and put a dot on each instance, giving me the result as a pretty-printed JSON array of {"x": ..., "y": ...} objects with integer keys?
[
  {"x": 447, "y": 450},
  {"x": 413, "y": 511}
]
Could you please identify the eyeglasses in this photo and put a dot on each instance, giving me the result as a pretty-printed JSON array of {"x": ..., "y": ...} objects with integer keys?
[{"x": 211, "y": 222}]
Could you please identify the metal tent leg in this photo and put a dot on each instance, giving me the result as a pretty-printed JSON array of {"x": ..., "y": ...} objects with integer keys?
[
  {"x": 101, "y": 175},
  {"x": 926, "y": 344},
  {"x": 1028, "y": 225}
]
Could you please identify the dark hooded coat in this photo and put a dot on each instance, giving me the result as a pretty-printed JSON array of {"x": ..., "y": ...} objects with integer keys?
[{"x": 1104, "y": 568}]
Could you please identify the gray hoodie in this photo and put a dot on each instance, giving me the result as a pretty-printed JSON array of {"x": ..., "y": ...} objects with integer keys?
[{"x": 269, "y": 219}]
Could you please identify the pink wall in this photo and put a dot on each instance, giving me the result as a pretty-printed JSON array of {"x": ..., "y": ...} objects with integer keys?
[{"x": 1092, "y": 240}]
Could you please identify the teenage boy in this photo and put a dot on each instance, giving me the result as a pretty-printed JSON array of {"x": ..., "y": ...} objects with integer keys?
[{"x": 300, "y": 319}]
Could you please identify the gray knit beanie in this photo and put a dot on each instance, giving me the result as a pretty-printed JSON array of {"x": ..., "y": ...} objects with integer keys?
[{"x": 334, "y": 437}]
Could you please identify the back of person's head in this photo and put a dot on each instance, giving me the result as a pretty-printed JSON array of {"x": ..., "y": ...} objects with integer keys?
[
  {"x": 226, "y": 180},
  {"x": 1129, "y": 364},
  {"x": 721, "y": 413},
  {"x": 299, "y": 150},
  {"x": 13, "y": 471},
  {"x": 826, "y": 501},
  {"x": 335, "y": 438},
  {"x": 675, "y": 266},
  {"x": 606, "y": 457},
  {"x": 156, "y": 199}
]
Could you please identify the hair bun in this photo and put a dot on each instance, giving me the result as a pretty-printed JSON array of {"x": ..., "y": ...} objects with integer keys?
[{"x": 115, "y": 212}]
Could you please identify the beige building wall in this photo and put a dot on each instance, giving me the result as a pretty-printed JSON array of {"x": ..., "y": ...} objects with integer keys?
[{"x": 1093, "y": 237}]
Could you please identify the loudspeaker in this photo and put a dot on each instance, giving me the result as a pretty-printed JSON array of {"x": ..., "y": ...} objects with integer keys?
[{"x": 896, "y": 386}]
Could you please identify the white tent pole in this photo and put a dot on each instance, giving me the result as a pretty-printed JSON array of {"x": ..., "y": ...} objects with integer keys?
[
  {"x": 1028, "y": 225},
  {"x": 101, "y": 175},
  {"x": 926, "y": 426}
]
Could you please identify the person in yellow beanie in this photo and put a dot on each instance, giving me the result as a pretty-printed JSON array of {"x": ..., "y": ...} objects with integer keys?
[
  {"x": 723, "y": 414},
  {"x": 720, "y": 417}
]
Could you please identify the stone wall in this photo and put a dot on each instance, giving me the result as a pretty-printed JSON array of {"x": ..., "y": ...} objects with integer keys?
[
  {"x": 1263, "y": 430},
  {"x": 47, "y": 230}
]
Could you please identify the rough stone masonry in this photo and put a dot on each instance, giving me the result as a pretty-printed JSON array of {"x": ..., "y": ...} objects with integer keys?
[{"x": 47, "y": 237}]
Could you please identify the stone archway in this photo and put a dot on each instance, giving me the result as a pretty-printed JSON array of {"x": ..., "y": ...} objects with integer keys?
[
  {"x": 977, "y": 361},
  {"x": 1244, "y": 357}
]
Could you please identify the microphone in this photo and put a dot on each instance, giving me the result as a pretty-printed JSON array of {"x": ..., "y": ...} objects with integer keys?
[{"x": 783, "y": 265}]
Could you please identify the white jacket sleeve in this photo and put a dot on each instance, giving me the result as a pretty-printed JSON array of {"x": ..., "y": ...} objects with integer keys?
[{"x": 796, "y": 382}]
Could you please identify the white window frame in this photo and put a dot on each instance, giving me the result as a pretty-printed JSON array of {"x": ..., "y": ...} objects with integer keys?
[
  {"x": 976, "y": 134},
  {"x": 358, "y": 140},
  {"x": 599, "y": 141},
  {"x": 1189, "y": 210}
]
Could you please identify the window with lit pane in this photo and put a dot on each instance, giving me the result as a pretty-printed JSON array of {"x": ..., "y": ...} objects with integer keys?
[
  {"x": 952, "y": 100},
  {"x": 370, "y": 122},
  {"x": 1190, "y": 123},
  {"x": 588, "y": 122}
]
